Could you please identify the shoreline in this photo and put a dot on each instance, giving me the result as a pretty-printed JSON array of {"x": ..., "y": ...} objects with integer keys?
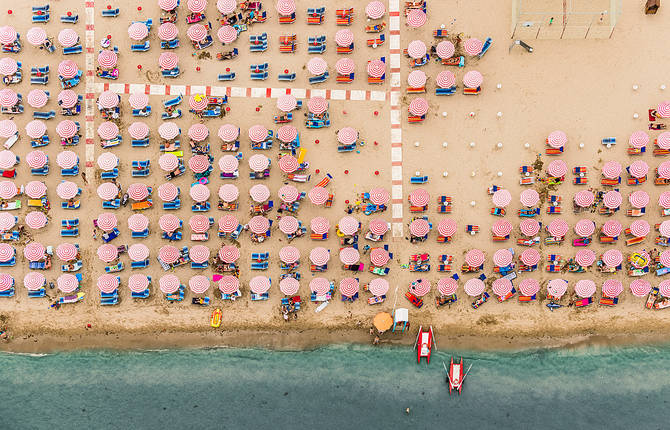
[{"x": 305, "y": 340}]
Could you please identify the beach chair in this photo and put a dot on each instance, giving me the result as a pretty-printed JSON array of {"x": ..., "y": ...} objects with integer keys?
[
  {"x": 69, "y": 19},
  {"x": 77, "y": 49},
  {"x": 487, "y": 45},
  {"x": 472, "y": 91},
  {"x": 286, "y": 77},
  {"x": 110, "y": 13},
  {"x": 143, "y": 47},
  {"x": 344, "y": 16},
  {"x": 226, "y": 76},
  {"x": 318, "y": 79},
  {"x": 418, "y": 179}
]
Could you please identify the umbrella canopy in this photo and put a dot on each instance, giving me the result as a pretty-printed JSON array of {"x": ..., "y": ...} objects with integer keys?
[
  {"x": 473, "y": 46},
  {"x": 36, "y": 219},
  {"x": 168, "y": 31},
  {"x": 259, "y": 193},
  {"x": 228, "y": 193},
  {"x": 286, "y": 102},
  {"x": 37, "y": 159},
  {"x": 35, "y": 189},
  {"x": 228, "y": 132},
  {"x": 138, "y": 283},
  {"x": 6, "y": 282},
  {"x": 502, "y": 198},
  {"x": 37, "y": 99},
  {"x": 447, "y": 227},
  {"x": 66, "y": 190},
  {"x": 612, "y": 199},
  {"x": 8, "y": 127},
  {"x": 138, "y": 191},
  {"x": 585, "y": 257},
  {"x": 501, "y": 228},
  {"x": 474, "y": 287},
  {"x": 379, "y": 196},
  {"x": 139, "y": 130},
  {"x": 108, "y": 99},
  {"x": 530, "y": 257},
  {"x": 227, "y": 34},
  {"x": 169, "y": 284},
  {"x": 416, "y": 18},
  {"x": 168, "y": 60},
  {"x": 474, "y": 258},
  {"x": 473, "y": 79},
  {"x": 640, "y": 287},
  {"x": 138, "y": 252},
  {"x": 138, "y": 100},
  {"x": 317, "y": 66},
  {"x": 289, "y": 254},
  {"x": 638, "y": 139},
  {"x": 558, "y": 228},
  {"x": 445, "y": 49},
  {"x": 8, "y": 98},
  {"x": 445, "y": 79},
  {"x": 348, "y": 225},
  {"x": 67, "y": 283},
  {"x": 259, "y": 224},
  {"x": 7, "y": 221},
  {"x": 228, "y": 223},
  {"x": 349, "y": 255},
  {"x": 317, "y": 105},
  {"x": 420, "y": 287},
  {"x": 585, "y": 288},
  {"x": 108, "y": 283},
  {"x": 447, "y": 286},
  {"x": 107, "y": 253},
  {"x": 228, "y": 164},
  {"x": 287, "y": 133},
  {"x": 664, "y": 288},
  {"x": 168, "y": 192},
  {"x": 106, "y": 221},
  {"x": 611, "y": 170},
  {"x": 199, "y": 223},
  {"x": 229, "y": 284},
  {"x": 349, "y": 287},
  {"x": 345, "y": 66},
  {"x": 288, "y": 193},
  {"x": 68, "y": 99},
  {"x": 288, "y": 224},
  {"x": 258, "y": 133},
  {"x": 67, "y": 159},
  {"x": 344, "y": 37},
  {"x": 529, "y": 198},
  {"x": 557, "y": 139},
  {"x": 168, "y": 130},
  {"x": 34, "y": 281},
  {"x": 199, "y": 193},
  {"x": 320, "y": 286},
  {"x": 640, "y": 228},
  {"x": 8, "y": 190},
  {"x": 289, "y": 286},
  {"x": 319, "y": 225},
  {"x": 169, "y": 254},
  {"x": 229, "y": 254},
  {"x": 664, "y": 229},
  {"x": 501, "y": 287},
  {"x": 31, "y": 252},
  {"x": 168, "y": 162},
  {"x": 199, "y": 254},
  {"x": 416, "y": 49},
  {"x": 376, "y": 68},
  {"x": 138, "y": 222},
  {"x": 68, "y": 37},
  {"x": 169, "y": 223},
  {"x": 584, "y": 198},
  {"x": 529, "y": 287},
  {"x": 108, "y": 130},
  {"x": 663, "y": 140},
  {"x": 383, "y": 321},
  {"x": 638, "y": 169},
  {"x": 378, "y": 226},
  {"x": 557, "y": 287},
  {"x": 529, "y": 227},
  {"x": 418, "y": 106},
  {"x": 319, "y": 255},
  {"x": 612, "y": 258},
  {"x": 557, "y": 169},
  {"x": 612, "y": 288},
  {"x": 199, "y": 163},
  {"x": 138, "y": 31},
  {"x": 197, "y": 6},
  {"x": 503, "y": 258},
  {"x": 198, "y": 102},
  {"x": 585, "y": 227},
  {"x": 36, "y": 36},
  {"x": 285, "y": 7},
  {"x": 378, "y": 256},
  {"x": 259, "y": 162},
  {"x": 260, "y": 284},
  {"x": 375, "y": 9},
  {"x": 288, "y": 164},
  {"x": 663, "y": 170},
  {"x": 663, "y": 109},
  {"x": 36, "y": 129},
  {"x": 198, "y": 284},
  {"x": 419, "y": 197},
  {"x": 198, "y": 132}
]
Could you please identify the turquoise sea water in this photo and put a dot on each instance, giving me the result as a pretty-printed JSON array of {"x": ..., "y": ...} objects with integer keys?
[{"x": 337, "y": 387}]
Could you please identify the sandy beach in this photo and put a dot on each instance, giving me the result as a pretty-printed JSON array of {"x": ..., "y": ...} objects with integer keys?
[{"x": 584, "y": 87}]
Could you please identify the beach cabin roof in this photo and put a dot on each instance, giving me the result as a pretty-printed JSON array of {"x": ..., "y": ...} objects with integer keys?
[{"x": 401, "y": 315}]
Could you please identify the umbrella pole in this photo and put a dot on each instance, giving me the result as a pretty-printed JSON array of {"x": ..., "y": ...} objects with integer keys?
[
  {"x": 433, "y": 337},
  {"x": 416, "y": 341}
]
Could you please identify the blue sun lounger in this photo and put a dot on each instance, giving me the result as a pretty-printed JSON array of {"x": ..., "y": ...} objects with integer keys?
[
  {"x": 77, "y": 49},
  {"x": 226, "y": 76},
  {"x": 142, "y": 112},
  {"x": 139, "y": 264},
  {"x": 8, "y": 293},
  {"x": 110, "y": 13},
  {"x": 71, "y": 19},
  {"x": 140, "y": 47}
]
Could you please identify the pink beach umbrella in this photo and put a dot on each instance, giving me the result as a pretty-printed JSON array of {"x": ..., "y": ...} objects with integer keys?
[
  {"x": 416, "y": 18},
  {"x": 199, "y": 254},
  {"x": 6, "y": 282},
  {"x": 445, "y": 79},
  {"x": 529, "y": 198},
  {"x": 501, "y": 287},
  {"x": 34, "y": 281},
  {"x": 226, "y": 6},
  {"x": 260, "y": 284},
  {"x": 108, "y": 130},
  {"x": 108, "y": 283},
  {"x": 169, "y": 223},
  {"x": 319, "y": 225},
  {"x": 258, "y": 133},
  {"x": 557, "y": 287},
  {"x": 7, "y": 159},
  {"x": 445, "y": 49},
  {"x": 502, "y": 198},
  {"x": 289, "y": 254},
  {"x": 447, "y": 227},
  {"x": 584, "y": 198},
  {"x": 664, "y": 200},
  {"x": 345, "y": 66},
  {"x": 664, "y": 229},
  {"x": 473, "y": 46},
  {"x": 199, "y": 163},
  {"x": 68, "y": 37},
  {"x": 664, "y": 288},
  {"x": 585, "y": 288},
  {"x": 418, "y": 106},
  {"x": 639, "y": 139},
  {"x": 662, "y": 110},
  {"x": 317, "y": 105},
  {"x": 530, "y": 257},
  {"x": 529, "y": 287},
  {"x": 138, "y": 100},
  {"x": 108, "y": 253},
  {"x": 67, "y": 283},
  {"x": 474, "y": 287},
  {"x": 258, "y": 162},
  {"x": 228, "y": 132},
  {"x": 36, "y": 220},
  {"x": 585, "y": 257},
  {"x": 286, "y": 102},
  {"x": 557, "y": 169},
  {"x": 378, "y": 256},
  {"x": 259, "y": 193},
  {"x": 168, "y": 60},
  {"x": 474, "y": 258},
  {"x": 317, "y": 66},
  {"x": 138, "y": 191},
  {"x": 138, "y": 283},
  {"x": 8, "y": 66},
  {"x": 380, "y": 196},
  {"x": 349, "y": 255},
  {"x": 8, "y": 34},
  {"x": 558, "y": 228},
  {"x": 169, "y": 284},
  {"x": 228, "y": 164},
  {"x": 168, "y": 5},
  {"x": 349, "y": 287},
  {"x": 8, "y": 128},
  {"x": 107, "y": 58},
  {"x": 289, "y": 286},
  {"x": 663, "y": 170},
  {"x": 138, "y": 130},
  {"x": 585, "y": 228},
  {"x": 138, "y": 31},
  {"x": 7, "y": 221},
  {"x": 36, "y": 36},
  {"x": 344, "y": 37},
  {"x": 229, "y": 254},
  {"x": 501, "y": 228},
  {"x": 35, "y": 189},
  {"x": 168, "y": 31},
  {"x": 663, "y": 140},
  {"x": 67, "y": 129},
  {"x": 37, "y": 98},
  {"x": 199, "y": 193},
  {"x": 198, "y": 102},
  {"x": 419, "y": 227},
  {"x": 7, "y": 252},
  {"x": 168, "y": 130},
  {"x": 503, "y": 258},
  {"x": 285, "y": 7},
  {"x": 138, "y": 222},
  {"x": 378, "y": 226},
  {"x": 638, "y": 199},
  {"x": 416, "y": 79},
  {"x": 612, "y": 199},
  {"x": 320, "y": 286},
  {"x": 611, "y": 170},
  {"x": 107, "y": 161},
  {"x": 138, "y": 252},
  {"x": 447, "y": 286},
  {"x": 67, "y": 159},
  {"x": 36, "y": 129},
  {"x": 197, "y": 6},
  {"x": 198, "y": 284},
  {"x": 640, "y": 228},
  {"x": 347, "y": 135},
  {"x": 68, "y": 99},
  {"x": 375, "y": 9},
  {"x": 612, "y": 288},
  {"x": 612, "y": 258},
  {"x": 169, "y": 254},
  {"x": 288, "y": 224},
  {"x": 228, "y": 193},
  {"x": 376, "y": 68},
  {"x": 420, "y": 287},
  {"x": 229, "y": 284},
  {"x": 348, "y": 225},
  {"x": 8, "y": 97},
  {"x": 640, "y": 287},
  {"x": 106, "y": 221},
  {"x": 259, "y": 224},
  {"x": 67, "y": 190},
  {"x": 473, "y": 79},
  {"x": 638, "y": 169},
  {"x": 288, "y": 164},
  {"x": 108, "y": 99},
  {"x": 416, "y": 49},
  {"x": 612, "y": 228},
  {"x": 557, "y": 139},
  {"x": 168, "y": 192},
  {"x": 319, "y": 256}
]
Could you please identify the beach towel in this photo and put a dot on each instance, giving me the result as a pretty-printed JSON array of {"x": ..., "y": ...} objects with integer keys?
[{"x": 325, "y": 181}]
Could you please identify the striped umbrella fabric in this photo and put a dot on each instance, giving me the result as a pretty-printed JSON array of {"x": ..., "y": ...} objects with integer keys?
[
  {"x": 529, "y": 198},
  {"x": 138, "y": 252},
  {"x": 198, "y": 284},
  {"x": 106, "y": 221},
  {"x": 108, "y": 283},
  {"x": 228, "y": 132},
  {"x": 138, "y": 100},
  {"x": 501, "y": 287},
  {"x": 228, "y": 223},
  {"x": 226, "y": 6},
  {"x": 229, "y": 254},
  {"x": 259, "y": 162},
  {"x": 663, "y": 170},
  {"x": 286, "y": 102},
  {"x": 503, "y": 258},
  {"x": 445, "y": 49},
  {"x": 420, "y": 287},
  {"x": 344, "y": 37},
  {"x": 288, "y": 164},
  {"x": 663, "y": 140},
  {"x": 319, "y": 195},
  {"x": 317, "y": 105},
  {"x": 259, "y": 193},
  {"x": 198, "y": 254},
  {"x": 612, "y": 288},
  {"x": 168, "y": 192},
  {"x": 199, "y": 193},
  {"x": 557, "y": 287},
  {"x": 584, "y": 198},
  {"x": 530, "y": 257},
  {"x": 35, "y": 189},
  {"x": 168, "y": 162},
  {"x": 8, "y": 127},
  {"x": 36, "y": 36},
  {"x": 138, "y": 283},
  {"x": 7, "y": 221},
  {"x": 229, "y": 284},
  {"x": 320, "y": 286},
  {"x": 418, "y": 106},
  {"x": 317, "y": 66},
  {"x": 68, "y": 99},
  {"x": 638, "y": 169},
  {"x": 6, "y": 281},
  {"x": 611, "y": 170},
  {"x": 138, "y": 31},
  {"x": 378, "y": 287},
  {"x": 379, "y": 196},
  {"x": 349, "y": 255},
  {"x": 585, "y": 257},
  {"x": 376, "y": 68},
  {"x": 169, "y": 284},
  {"x": 557, "y": 139},
  {"x": 416, "y": 79},
  {"x": 319, "y": 256},
  {"x": 612, "y": 258},
  {"x": 37, "y": 99},
  {"x": 138, "y": 222},
  {"x": 139, "y": 130},
  {"x": 288, "y": 194},
  {"x": 473, "y": 46},
  {"x": 198, "y": 132},
  {"x": 473, "y": 79},
  {"x": 36, "y": 220},
  {"x": 557, "y": 168},
  {"x": 288, "y": 224},
  {"x": 585, "y": 288},
  {"x": 419, "y": 197},
  {"x": 529, "y": 287},
  {"x": 345, "y": 66},
  {"x": 349, "y": 287},
  {"x": 198, "y": 102},
  {"x": 416, "y": 18},
  {"x": 260, "y": 284},
  {"x": 285, "y": 7},
  {"x": 31, "y": 252},
  {"x": 585, "y": 227},
  {"x": 168, "y": 31},
  {"x": 67, "y": 283},
  {"x": 199, "y": 163},
  {"x": 8, "y": 190},
  {"x": 289, "y": 286},
  {"x": 199, "y": 223},
  {"x": 36, "y": 129},
  {"x": 529, "y": 227},
  {"x": 612, "y": 199},
  {"x": 8, "y": 98},
  {"x": 108, "y": 99},
  {"x": 664, "y": 258},
  {"x": 348, "y": 225},
  {"x": 474, "y": 287},
  {"x": 502, "y": 198},
  {"x": 375, "y": 9},
  {"x": 67, "y": 37},
  {"x": 501, "y": 228},
  {"x": 259, "y": 225},
  {"x": 347, "y": 135},
  {"x": 445, "y": 79},
  {"x": 640, "y": 228},
  {"x": 378, "y": 226},
  {"x": 640, "y": 287},
  {"x": 228, "y": 193},
  {"x": 639, "y": 139},
  {"x": 379, "y": 257},
  {"x": 419, "y": 228},
  {"x": 289, "y": 254},
  {"x": 258, "y": 133},
  {"x": 612, "y": 228},
  {"x": 107, "y": 253},
  {"x": 319, "y": 225},
  {"x": 168, "y": 254},
  {"x": 197, "y": 6},
  {"x": 67, "y": 129},
  {"x": 558, "y": 228},
  {"x": 138, "y": 191},
  {"x": 168, "y": 60},
  {"x": 67, "y": 159},
  {"x": 447, "y": 227},
  {"x": 474, "y": 257},
  {"x": 108, "y": 130},
  {"x": 664, "y": 229},
  {"x": 228, "y": 164},
  {"x": 663, "y": 109},
  {"x": 447, "y": 286},
  {"x": 416, "y": 49},
  {"x": 8, "y": 159}
]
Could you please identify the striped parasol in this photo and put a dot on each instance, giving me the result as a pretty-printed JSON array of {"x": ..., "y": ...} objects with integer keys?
[
  {"x": 664, "y": 200},
  {"x": 108, "y": 253},
  {"x": 107, "y": 58},
  {"x": 108, "y": 99},
  {"x": 662, "y": 110},
  {"x": 663, "y": 170},
  {"x": 36, "y": 36},
  {"x": 67, "y": 159},
  {"x": 416, "y": 79},
  {"x": 502, "y": 198},
  {"x": 317, "y": 105},
  {"x": 7, "y": 159},
  {"x": 664, "y": 288},
  {"x": 8, "y": 98},
  {"x": 258, "y": 133},
  {"x": 198, "y": 102},
  {"x": 420, "y": 287},
  {"x": 37, "y": 98},
  {"x": 376, "y": 68},
  {"x": 347, "y": 135},
  {"x": 168, "y": 162},
  {"x": 7, "y": 252},
  {"x": 68, "y": 37},
  {"x": 288, "y": 224},
  {"x": 378, "y": 256},
  {"x": 7, "y": 221},
  {"x": 473, "y": 79},
  {"x": 418, "y": 106},
  {"x": 34, "y": 281},
  {"x": 138, "y": 31},
  {"x": 416, "y": 49},
  {"x": 503, "y": 258},
  {"x": 66, "y": 190},
  {"x": 501, "y": 228},
  {"x": 447, "y": 227},
  {"x": 557, "y": 287},
  {"x": 612, "y": 199},
  {"x": 228, "y": 164},
  {"x": 612, "y": 228},
  {"x": 612, "y": 288},
  {"x": 379, "y": 196},
  {"x": 6, "y": 281},
  {"x": 260, "y": 284},
  {"x": 198, "y": 254},
  {"x": 228, "y": 132},
  {"x": 106, "y": 221},
  {"x": 638, "y": 169},
  {"x": 319, "y": 225},
  {"x": 169, "y": 284},
  {"x": 229, "y": 284},
  {"x": 348, "y": 225},
  {"x": 8, "y": 66},
  {"x": 67, "y": 283},
  {"x": 317, "y": 66},
  {"x": 138, "y": 283},
  {"x": 349, "y": 287},
  {"x": 168, "y": 192},
  {"x": 199, "y": 163},
  {"x": 349, "y": 255},
  {"x": 197, "y": 6},
  {"x": 530, "y": 257},
  {"x": 108, "y": 130},
  {"x": 168, "y": 254},
  {"x": 289, "y": 254},
  {"x": 585, "y": 228},
  {"x": 138, "y": 252},
  {"x": 378, "y": 226},
  {"x": 36, "y": 220},
  {"x": 138, "y": 222},
  {"x": 168, "y": 31},
  {"x": 68, "y": 99},
  {"x": 501, "y": 287},
  {"x": 378, "y": 287},
  {"x": 584, "y": 198},
  {"x": 138, "y": 191},
  {"x": 345, "y": 66},
  {"x": 375, "y": 9},
  {"x": 612, "y": 258},
  {"x": 664, "y": 229},
  {"x": 445, "y": 79},
  {"x": 8, "y": 127},
  {"x": 558, "y": 228},
  {"x": 229, "y": 254},
  {"x": 638, "y": 199},
  {"x": 168, "y": 60},
  {"x": 445, "y": 49},
  {"x": 8, "y": 34},
  {"x": 228, "y": 193},
  {"x": 474, "y": 258},
  {"x": 259, "y": 224},
  {"x": 199, "y": 193},
  {"x": 259, "y": 193},
  {"x": 585, "y": 288},
  {"x": 639, "y": 139},
  {"x": 320, "y": 286},
  {"x": 557, "y": 168},
  {"x": 198, "y": 132},
  {"x": 108, "y": 283},
  {"x": 226, "y": 6},
  {"x": 529, "y": 198},
  {"x": 611, "y": 170},
  {"x": 663, "y": 140},
  {"x": 289, "y": 286},
  {"x": 419, "y": 227},
  {"x": 35, "y": 189},
  {"x": 319, "y": 195},
  {"x": 168, "y": 130},
  {"x": 36, "y": 129},
  {"x": 286, "y": 102},
  {"x": 557, "y": 139},
  {"x": 473, "y": 46},
  {"x": 529, "y": 287},
  {"x": 199, "y": 223},
  {"x": 169, "y": 223},
  {"x": 288, "y": 164},
  {"x": 416, "y": 18},
  {"x": 198, "y": 284},
  {"x": 640, "y": 228},
  {"x": 585, "y": 257},
  {"x": 138, "y": 100},
  {"x": 344, "y": 37},
  {"x": 474, "y": 287},
  {"x": 319, "y": 256},
  {"x": 664, "y": 258},
  {"x": 228, "y": 223},
  {"x": 447, "y": 286},
  {"x": 640, "y": 287},
  {"x": 285, "y": 7}
]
